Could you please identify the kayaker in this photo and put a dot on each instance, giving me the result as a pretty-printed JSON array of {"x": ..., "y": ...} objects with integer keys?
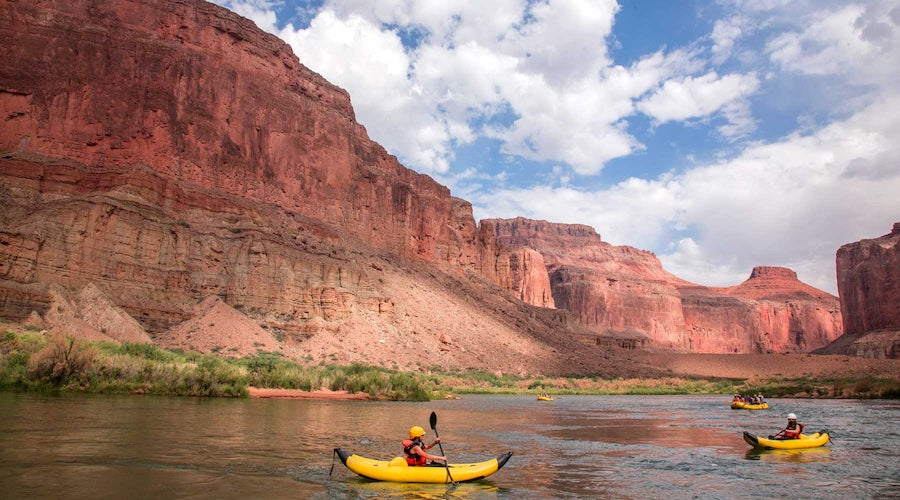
[
  {"x": 415, "y": 449},
  {"x": 793, "y": 429}
]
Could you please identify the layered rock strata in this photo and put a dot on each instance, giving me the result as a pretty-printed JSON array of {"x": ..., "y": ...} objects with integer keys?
[
  {"x": 868, "y": 277},
  {"x": 626, "y": 297},
  {"x": 169, "y": 151}
]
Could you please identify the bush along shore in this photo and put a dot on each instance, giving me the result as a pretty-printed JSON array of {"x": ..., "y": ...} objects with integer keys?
[{"x": 36, "y": 362}]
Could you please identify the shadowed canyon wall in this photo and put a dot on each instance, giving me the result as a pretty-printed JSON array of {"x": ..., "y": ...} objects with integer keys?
[{"x": 868, "y": 274}]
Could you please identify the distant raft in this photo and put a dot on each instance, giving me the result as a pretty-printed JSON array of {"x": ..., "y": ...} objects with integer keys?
[
  {"x": 804, "y": 441},
  {"x": 397, "y": 470},
  {"x": 740, "y": 405},
  {"x": 545, "y": 398}
]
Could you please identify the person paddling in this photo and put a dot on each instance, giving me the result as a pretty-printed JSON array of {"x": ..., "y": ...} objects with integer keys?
[
  {"x": 793, "y": 429},
  {"x": 415, "y": 450}
]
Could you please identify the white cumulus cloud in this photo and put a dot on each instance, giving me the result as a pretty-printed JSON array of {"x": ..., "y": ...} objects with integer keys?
[{"x": 690, "y": 97}]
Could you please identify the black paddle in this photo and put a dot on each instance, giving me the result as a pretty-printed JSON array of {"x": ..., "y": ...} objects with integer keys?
[{"x": 433, "y": 421}]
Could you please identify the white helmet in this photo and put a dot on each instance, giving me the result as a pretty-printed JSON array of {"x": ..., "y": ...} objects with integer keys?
[{"x": 791, "y": 416}]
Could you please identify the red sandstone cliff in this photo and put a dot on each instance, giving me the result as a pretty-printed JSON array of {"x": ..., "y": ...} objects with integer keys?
[
  {"x": 868, "y": 276},
  {"x": 168, "y": 151},
  {"x": 772, "y": 311},
  {"x": 194, "y": 92},
  {"x": 625, "y": 294}
]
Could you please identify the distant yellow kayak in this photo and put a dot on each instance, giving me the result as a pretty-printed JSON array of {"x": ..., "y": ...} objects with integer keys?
[
  {"x": 398, "y": 471},
  {"x": 545, "y": 398},
  {"x": 804, "y": 441},
  {"x": 740, "y": 405}
]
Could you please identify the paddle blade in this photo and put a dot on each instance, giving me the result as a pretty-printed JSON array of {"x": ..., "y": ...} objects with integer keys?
[{"x": 433, "y": 420}]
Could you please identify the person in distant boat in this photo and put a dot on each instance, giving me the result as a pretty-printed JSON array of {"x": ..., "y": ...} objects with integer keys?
[
  {"x": 416, "y": 451},
  {"x": 793, "y": 429}
]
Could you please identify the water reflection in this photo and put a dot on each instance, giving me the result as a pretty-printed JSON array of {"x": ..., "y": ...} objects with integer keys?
[
  {"x": 376, "y": 489},
  {"x": 806, "y": 455}
]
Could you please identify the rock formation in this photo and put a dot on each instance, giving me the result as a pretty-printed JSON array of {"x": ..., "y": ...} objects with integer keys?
[
  {"x": 91, "y": 315},
  {"x": 168, "y": 151},
  {"x": 214, "y": 326},
  {"x": 625, "y": 296},
  {"x": 162, "y": 152},
  {"x": 868, "y": 277},
  {"x": 772, "y": 311}
]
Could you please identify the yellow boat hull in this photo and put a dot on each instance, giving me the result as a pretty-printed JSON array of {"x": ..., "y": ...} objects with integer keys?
[
  {"x": 398, "y": 471},
  {"x": 738, "y": 405},
  {"x": 544, "y": 398},
  {"x": 804, "y": 441}
]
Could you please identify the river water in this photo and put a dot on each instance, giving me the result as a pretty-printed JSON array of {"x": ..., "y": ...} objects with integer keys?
[{"x": 86, "y": 446}]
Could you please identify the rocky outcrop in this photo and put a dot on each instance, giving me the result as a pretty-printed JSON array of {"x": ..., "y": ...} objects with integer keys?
[
  {"x": 91, "y": 315},
  {"x": 868, "y": 277},
  {"x": 214, "y": 326},
  {"x": 772, "y": 311},
  {"x": 516, "y": 268},
  {"x": 627, "y": 298}
]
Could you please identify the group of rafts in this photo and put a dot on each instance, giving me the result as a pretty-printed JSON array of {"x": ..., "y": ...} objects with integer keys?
[{"x": 398, "y": 470}]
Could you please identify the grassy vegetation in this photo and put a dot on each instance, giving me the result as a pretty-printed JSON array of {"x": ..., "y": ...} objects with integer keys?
[
  {"x": 474, "y": 382},
  {"x": 31, "y": 361},
  {"x": 862, "y": 388}
]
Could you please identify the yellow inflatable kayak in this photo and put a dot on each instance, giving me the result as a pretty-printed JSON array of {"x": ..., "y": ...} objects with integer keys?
[
  {"x": 804, "y": 441},
  {"x": 545, "y": 398},
  {"x": 739, "y": 405},
  {"x": 398, "y": 471}
]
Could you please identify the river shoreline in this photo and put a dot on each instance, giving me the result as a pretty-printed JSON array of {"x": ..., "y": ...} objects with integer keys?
[
  {"x": 33, "y": 361},
  {"x": 269, "y": 393}
]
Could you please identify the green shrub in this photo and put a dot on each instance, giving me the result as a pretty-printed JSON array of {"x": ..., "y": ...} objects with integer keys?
[
  {"x": 61, "y": 361},
  {"x": 146, "y": 351}
]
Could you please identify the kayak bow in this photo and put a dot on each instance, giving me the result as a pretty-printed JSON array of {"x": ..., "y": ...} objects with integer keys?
[
  {"x": 397, "y": 470},
  {"x": 804, "y": 441}
]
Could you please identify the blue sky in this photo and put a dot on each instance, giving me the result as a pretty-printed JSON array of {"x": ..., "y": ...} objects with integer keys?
[{"x": 721, "y": 135}]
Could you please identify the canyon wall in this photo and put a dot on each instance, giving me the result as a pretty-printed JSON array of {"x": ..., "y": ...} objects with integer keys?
[
  {"x": 772, "y": 311},
  {"x": 163, "y": 152},
  {"x": 128, "y": 124},
  {"x": 624, "y": 293},
  {"x": 868, "y": 276},
  {"x": 194, "y": 92}
]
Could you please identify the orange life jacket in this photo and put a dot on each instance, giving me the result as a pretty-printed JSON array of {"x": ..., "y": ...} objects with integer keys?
[
  {"x": 795, "y": 432},
  {"x": 413, "y": 458}
]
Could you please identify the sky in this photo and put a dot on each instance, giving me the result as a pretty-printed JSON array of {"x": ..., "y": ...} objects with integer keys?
[{"x": 719, "y": 134}]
